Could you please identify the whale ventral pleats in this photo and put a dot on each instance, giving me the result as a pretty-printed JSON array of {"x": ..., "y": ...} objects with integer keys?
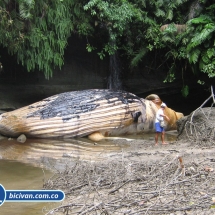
[{"x": 71, "y": 105}]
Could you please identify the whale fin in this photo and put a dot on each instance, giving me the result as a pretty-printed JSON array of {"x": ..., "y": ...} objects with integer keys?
[{"x": 98, "y": 136}]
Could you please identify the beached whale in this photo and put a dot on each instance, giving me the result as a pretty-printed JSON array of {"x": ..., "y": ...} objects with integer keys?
[{"x": 93, "y": 113}]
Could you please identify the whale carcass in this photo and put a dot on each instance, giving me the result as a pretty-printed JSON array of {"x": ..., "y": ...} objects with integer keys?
[{"x": 83, "y": 113}]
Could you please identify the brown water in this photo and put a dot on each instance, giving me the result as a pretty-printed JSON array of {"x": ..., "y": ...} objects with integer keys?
[
  {"x": 22, "y": 166},
  {"x": 19, "y": 176},
  {"x": 53, "y": 153}
]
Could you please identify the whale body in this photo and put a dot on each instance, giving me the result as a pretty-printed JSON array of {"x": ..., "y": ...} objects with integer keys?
[{"x": 83, "y": 113}]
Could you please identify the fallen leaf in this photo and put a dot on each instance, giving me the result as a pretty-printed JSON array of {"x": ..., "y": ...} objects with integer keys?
[
  {"x": 202, "y": 193},
  {"x": 141, "y": 203},
  {"x": 209, "y": 169}
]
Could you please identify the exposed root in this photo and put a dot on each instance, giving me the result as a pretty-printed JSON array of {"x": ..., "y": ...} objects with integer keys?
[{"x": 200, "y": 124}]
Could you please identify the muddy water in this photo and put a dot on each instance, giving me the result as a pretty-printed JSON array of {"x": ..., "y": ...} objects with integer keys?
[
  {"x": 53, "y": 153},
  {"x": 22, "y": 166},
  {"x": 19, "y": 176}
]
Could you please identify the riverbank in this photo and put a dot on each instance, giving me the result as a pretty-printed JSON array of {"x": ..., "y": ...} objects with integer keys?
[{"x": 177, "y": 178}]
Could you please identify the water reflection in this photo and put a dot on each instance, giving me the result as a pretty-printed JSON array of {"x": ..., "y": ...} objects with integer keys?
[
  {"x": 39, "y": 151},
  {"x": 20, "y": 163},
  {"x": 49, "y": 153}
]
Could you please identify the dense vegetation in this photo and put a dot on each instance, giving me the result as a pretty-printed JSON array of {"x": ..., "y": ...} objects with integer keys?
[{"x": 36, "y": 32}]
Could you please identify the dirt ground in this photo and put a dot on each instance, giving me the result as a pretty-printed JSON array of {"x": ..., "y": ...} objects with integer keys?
[{"x": 173, "y": 179}]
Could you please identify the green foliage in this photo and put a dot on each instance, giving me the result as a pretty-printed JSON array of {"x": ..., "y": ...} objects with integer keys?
[
  {"x": 114, "y": 17},
  {"x": 195, "y": 45},
  {"x": 37, "y": 32},
  {"x": 150, "y": 38},
  {"x": 139, "y": 56},
  {"x": 200, "y": 48},
  {"x": 10, "y": 30},
  {"x": 90, "y": 48},
  {"x": 25, "y": 8},
  {"x": 200, "y": 82},
  {"x": 185, "y": 91},
  {"x": 171, "y": 74},
  {"x": 193, "y": 56}
]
